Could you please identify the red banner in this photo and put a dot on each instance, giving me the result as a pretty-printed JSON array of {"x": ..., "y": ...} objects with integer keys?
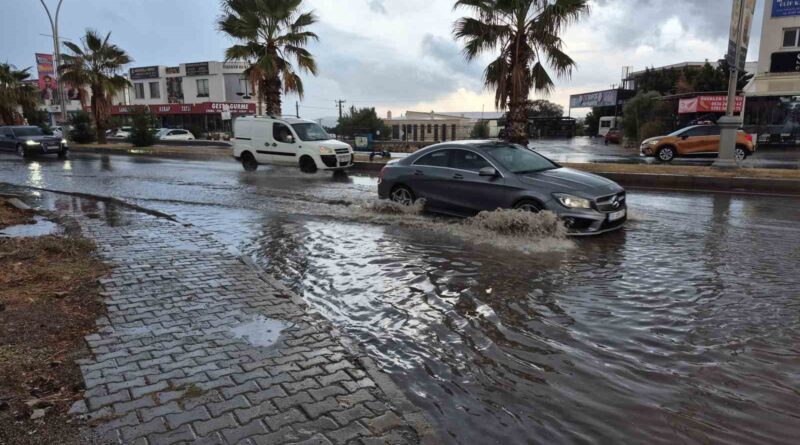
[
  {"x": 709, "y": 104},
  {"x": 46, "y": 72},
  {"x": 201, "y": 108}
]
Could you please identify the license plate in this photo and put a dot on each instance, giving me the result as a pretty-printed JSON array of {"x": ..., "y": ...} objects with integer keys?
[
  {"x": 617, "y": 215},
  {"x": 344, "y": 158},
  {"x": 51, "y": 147}
]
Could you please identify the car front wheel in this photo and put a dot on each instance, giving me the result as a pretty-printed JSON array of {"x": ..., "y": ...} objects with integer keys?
[
  {"x": 403, "y": 195},
  {"x": 740, "y": 153},
  {"x": 528, "y": 206},
  {"x": 666, "y": 154}
]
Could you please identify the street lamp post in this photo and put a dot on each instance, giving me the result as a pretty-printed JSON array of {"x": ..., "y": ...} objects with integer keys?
[{"x": 57, "y": 48}]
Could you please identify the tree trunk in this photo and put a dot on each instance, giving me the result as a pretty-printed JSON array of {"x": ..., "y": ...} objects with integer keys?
[
  {"x": 517, "y": 123},
  {"x": 273, "y": 94}
]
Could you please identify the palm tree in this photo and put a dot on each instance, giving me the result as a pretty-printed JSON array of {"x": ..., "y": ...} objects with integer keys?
[
  {"x": 526, "y": 33},
  {"x": 15, "y": 93},
  {"x": 97, "y": 65},
  {"x": 272, "y": 32}
]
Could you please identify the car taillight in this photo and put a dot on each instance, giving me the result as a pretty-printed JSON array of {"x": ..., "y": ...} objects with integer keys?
[{"x": 749, "y": 137}]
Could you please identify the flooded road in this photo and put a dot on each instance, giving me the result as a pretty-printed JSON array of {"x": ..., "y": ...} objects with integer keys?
[{"x": 684, "y": 327}]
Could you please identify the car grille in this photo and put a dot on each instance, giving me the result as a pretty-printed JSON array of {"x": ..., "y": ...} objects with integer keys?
[
  {"x": 610, "y": 203},
  {"x": 342, "y": 151}
]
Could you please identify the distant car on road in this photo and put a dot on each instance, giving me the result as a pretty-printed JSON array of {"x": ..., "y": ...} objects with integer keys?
[
  {"x": 467, "y": 177},
  {"x": 167, "y": 134},
  {"x": 28, "y": 140},
  {"x": 123, "y": 132},
  {"x": 614, "y": 136},
  {"x": 298, "y": 142},
  {"x": 697, "y": 140}
]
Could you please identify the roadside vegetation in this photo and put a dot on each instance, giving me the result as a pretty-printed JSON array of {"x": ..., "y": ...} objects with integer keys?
[
  {"x": 142, "y": 122},
  {"x": 48, "y": 302}
]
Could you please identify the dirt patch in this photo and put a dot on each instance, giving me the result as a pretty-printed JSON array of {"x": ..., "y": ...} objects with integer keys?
[
  {"x": 11, "y": 216},
  {"x": 682, "y": 170},
  {"x": 48, "y": 302}
]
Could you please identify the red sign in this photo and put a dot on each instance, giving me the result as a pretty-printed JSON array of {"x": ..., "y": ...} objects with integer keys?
[
  {"x": 709, "y": 104},
  {"x": 201, "y": 108}
]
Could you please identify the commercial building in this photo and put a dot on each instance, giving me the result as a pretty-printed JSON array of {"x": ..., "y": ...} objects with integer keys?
[
  {"x": 438, "y": 127},
  {"x": 773, "y": 96},
  {"x": 204, "y": 96}
]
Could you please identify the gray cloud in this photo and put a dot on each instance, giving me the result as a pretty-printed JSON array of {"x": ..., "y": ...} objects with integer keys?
[
  {"x": 377, "y": 6},
  {"x": 449, "y": 54}
]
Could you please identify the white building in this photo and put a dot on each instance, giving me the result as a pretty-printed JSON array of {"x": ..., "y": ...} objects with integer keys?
[{"x": 773, "y": 96}]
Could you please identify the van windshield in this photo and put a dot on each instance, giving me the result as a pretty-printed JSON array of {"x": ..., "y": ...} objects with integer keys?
[{"x": 310, "y": 132}]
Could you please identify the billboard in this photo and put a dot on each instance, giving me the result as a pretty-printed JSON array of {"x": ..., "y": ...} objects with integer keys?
[
  {"x": 197, "y": 69},
  {"x": 145, "y": 72},
  {"x": 47, "y": 79},
  {"x": 785, "y": 8},
  {"x": 606, "y": 98},
  {"x": 742, "y": 16},
  {"x": 708, "y": 104}
]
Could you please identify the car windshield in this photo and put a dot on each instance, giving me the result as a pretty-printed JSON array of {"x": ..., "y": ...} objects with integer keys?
[
  {"x": 310, "y": 132},
  {"x": 28, "y": 131},
  {"x": 519, "y": 160}
]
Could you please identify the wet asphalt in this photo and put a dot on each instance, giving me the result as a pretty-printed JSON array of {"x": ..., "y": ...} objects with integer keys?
[{"x": 683, "y": 327}]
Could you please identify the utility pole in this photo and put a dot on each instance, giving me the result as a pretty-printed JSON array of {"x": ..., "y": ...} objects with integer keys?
[
  {"x": 339, "y": 104},
  {"x": 297, "y": 109},
  {"x": 57, "y": 48}
]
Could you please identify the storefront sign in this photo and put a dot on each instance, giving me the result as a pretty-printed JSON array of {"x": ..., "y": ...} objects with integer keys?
[
  {"x": 197, "y": 69},
  {"x": 173, "y": 70},
  {"x": 708, "y": 104},
  {"x": 741, "y": 25},
  {"x": 145, "y": 72},
  {"x": 785, "y": 8},
  {"x": 239, "y": 66},
  {"x": 785, "y": 62},
  {"x": 606, "y": 98},
  {"x": 202, "y": 108}
]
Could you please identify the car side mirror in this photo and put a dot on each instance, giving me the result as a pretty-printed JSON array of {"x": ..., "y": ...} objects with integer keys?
[
  {"x": 289, "y": 139},
  {"x": 488, "y": 171},
  {"x": 684, "y": 136}
]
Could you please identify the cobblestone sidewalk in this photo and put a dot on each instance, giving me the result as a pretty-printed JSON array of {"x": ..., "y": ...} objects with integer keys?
[{"x": 185, "y": 355}]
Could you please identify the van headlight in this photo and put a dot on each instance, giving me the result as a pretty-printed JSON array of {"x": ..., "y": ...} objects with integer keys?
[
  {"x": 572, "y": 202},
  {"x": 30, "y": 142},
  {"x": 327, "y": 151}
]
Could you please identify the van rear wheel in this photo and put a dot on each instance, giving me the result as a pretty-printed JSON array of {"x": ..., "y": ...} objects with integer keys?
[
  {"x": 307, "y": 165},
  {"x": 249, "y": 162}
]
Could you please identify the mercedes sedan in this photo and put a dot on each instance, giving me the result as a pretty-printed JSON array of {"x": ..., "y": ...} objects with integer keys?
[{"x": 467, "y": 177}]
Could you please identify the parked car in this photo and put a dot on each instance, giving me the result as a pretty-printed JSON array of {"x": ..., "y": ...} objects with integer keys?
[
  {"x": 166, "y": 134},
  {"x": 28, "y": 140},
  {"x": 123, "y": 132},
  {"x": 614, "y": 136},
  {"x": 697, "y": 140},
  {"x": 464, "y": 178},
  {"x": 271, "y": 140}
]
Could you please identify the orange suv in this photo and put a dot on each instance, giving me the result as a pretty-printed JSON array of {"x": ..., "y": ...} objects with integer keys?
[{"x": 694, "y": 141}]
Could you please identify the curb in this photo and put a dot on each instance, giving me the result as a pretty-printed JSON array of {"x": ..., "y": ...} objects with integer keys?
[{"x": 706, "y": 183}]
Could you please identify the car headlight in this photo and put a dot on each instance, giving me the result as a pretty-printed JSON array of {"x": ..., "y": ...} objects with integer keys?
[
  {"x": 653, "y": 143},
  {"x": 573, "y": 202},
  {"x": 30, "y": 142},
  {"x": 63, "y": 141},
  {"x": 326, "y": 151}
]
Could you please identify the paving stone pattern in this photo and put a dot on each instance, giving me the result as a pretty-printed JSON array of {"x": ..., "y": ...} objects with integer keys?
[{"x": 168, "y": 368}]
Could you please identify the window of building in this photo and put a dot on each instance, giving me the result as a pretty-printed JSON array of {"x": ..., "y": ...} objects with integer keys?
[
  {"x": 155, "y": 90},
  {"x": 202, "y": 88},
  {"x": 453, "y": 132},
  {"x": 790, "y": 37},
  {"x": 138, "y": 90}
]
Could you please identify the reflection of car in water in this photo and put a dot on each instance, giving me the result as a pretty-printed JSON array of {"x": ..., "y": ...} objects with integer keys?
[
  {"x": 697, "y": 140},
  {"x": 28, "y": 140},
  {"x": 464, "y": 178},
  {"x": 269, "y": 140}
]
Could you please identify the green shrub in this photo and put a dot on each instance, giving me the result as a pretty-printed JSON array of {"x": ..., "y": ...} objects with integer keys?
[
  {"x": 82, "y": 131},
  {"x": 480, "y": 130},
  {"x": 142, "y": 122}
]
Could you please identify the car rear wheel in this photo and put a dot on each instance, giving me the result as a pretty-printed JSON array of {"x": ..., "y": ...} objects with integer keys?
[
  {"x": 403, "y": 195},
  {"x": 528, "y": 206},
  {"x": 666, "y": 154},
  {"x": 740, "y": 153},
  {"x": 249, "y": 162},
  {"x": 307, "y": 165}
]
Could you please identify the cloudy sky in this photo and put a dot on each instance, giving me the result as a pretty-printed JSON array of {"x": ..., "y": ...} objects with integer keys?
[{"x": 391, "y": 54}]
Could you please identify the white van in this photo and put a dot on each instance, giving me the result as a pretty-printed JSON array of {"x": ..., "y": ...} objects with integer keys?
[
  {"x": 607, "y": 123},
  {"x": 271, "y": 140}
]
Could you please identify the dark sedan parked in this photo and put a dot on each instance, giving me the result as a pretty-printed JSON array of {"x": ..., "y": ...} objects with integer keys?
[
  {"x": 27, "y": 140},
  {"x": 464, "y": 178}
]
